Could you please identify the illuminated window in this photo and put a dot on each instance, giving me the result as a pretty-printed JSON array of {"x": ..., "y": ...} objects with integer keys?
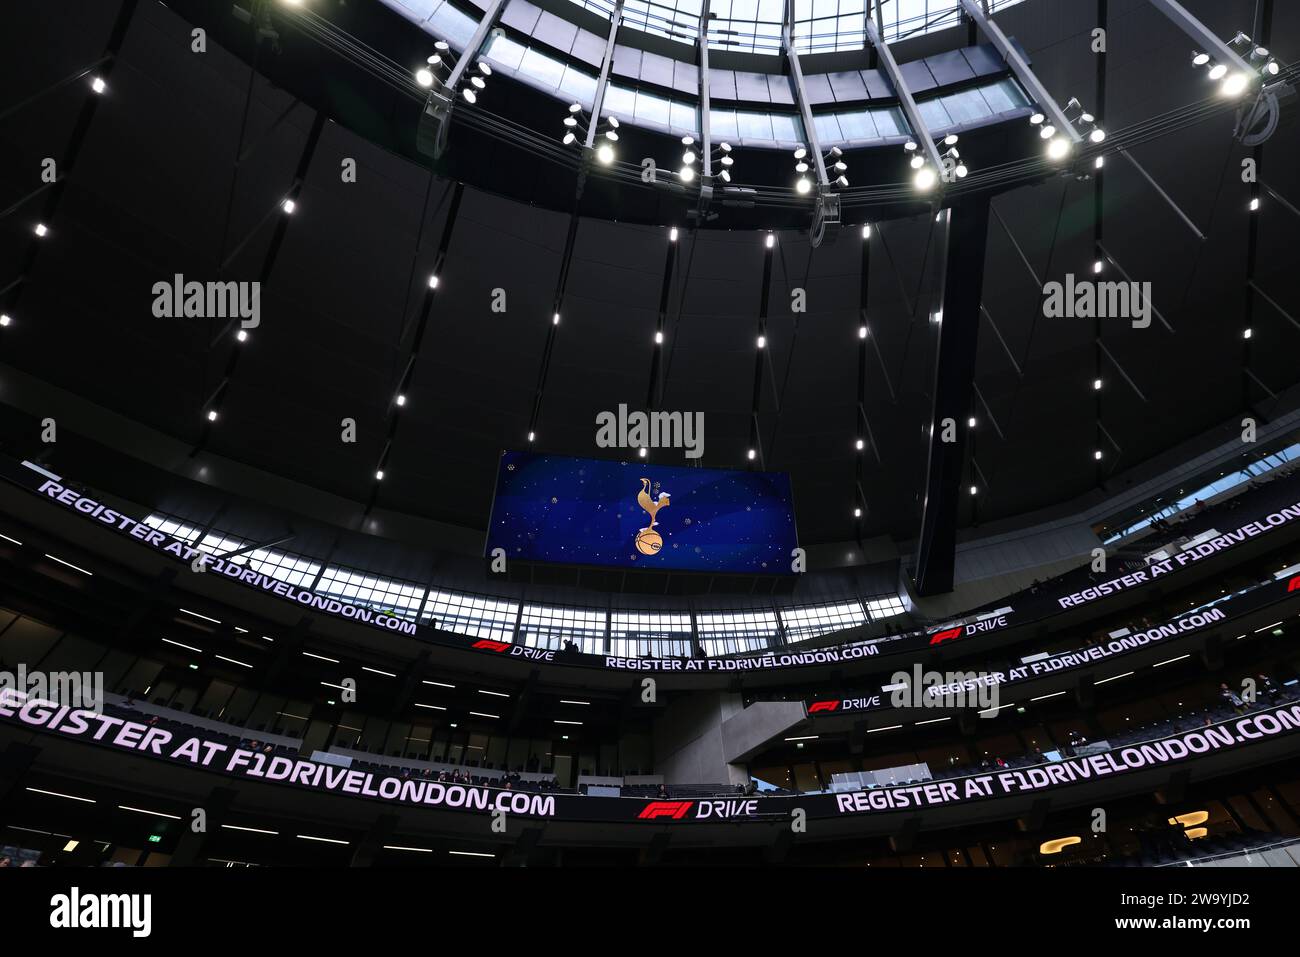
[
  {"x": 543, "y": 626},
  {"x": 814, "y": 621}
]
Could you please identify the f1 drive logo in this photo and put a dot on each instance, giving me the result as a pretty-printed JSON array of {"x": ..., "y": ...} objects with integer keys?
[
  {"x": 823, "y": 706},
  {"x": 487, "y": 644},
  {"x": 673, "y": 810},
  {"x": 948, "y": 634}
]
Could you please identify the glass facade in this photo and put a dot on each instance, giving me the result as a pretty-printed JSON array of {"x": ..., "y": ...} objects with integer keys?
[{"x": 627, "y": 633}]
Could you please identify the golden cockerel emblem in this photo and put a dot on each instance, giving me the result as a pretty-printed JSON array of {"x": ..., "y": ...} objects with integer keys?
[{"x": 648, "y": 541}]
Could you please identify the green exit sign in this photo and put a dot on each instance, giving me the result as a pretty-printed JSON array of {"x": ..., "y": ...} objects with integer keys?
[{"x": 155, "y": 838}]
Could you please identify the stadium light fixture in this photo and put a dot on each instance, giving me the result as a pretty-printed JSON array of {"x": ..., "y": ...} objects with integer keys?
[
  {"x": 859, "y": 445},
  {"x": 379, "y": 475},
  {"x": 41, "y": 230},
  {"x": 750, "y": 455},
  {"x": 1235, "y": 84},
  {"x": 289, "y": 206},
  {"x": 424, "y": 77},
  {"x": 401, "y": 399},
  {"x": 862, "y": 332},
  {"x": 433, "y": 281},
  {"x": 857, "y": 513},
  {"x": 605, "y": 153},
  {"x": 659, "y": 338},
  {"x": 5, "y": 319},
  {"x": 241, "y": 335},
  {"x": 212, "y": 415},
  {"x": 1096, "y": 385},
  {"x": 762, "y": 342},
  {"x": 672, "y": 235},
  {"x": 98, "y": 85},
  {"x": 770, "y": 240}
]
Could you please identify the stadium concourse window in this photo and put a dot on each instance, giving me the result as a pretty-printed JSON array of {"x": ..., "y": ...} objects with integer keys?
[
  {"x": 730, "y": 633},
  {"x": 887, "y": 607},
  {"x": 632, "y": 633},
  {"x": 399, "y": 599},
  {"x": 439, "y": 17},
  {"x": 555, "y": 628},
  {"x": 813, "y": 621},
  {"x": 473, "y": 615},
  {"x": 754, "y": 26},
  {"x": 647, "y": 634},
  {"x": 1281, "y": 462}
]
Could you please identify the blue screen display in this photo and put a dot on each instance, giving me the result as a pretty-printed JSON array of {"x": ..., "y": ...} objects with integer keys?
[{"x": 633, "y": 515}]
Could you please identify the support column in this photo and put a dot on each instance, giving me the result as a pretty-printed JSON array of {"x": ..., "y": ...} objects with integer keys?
[
  {"x": 966, "y": 241},
  {"x": 368, "y": 847},
  {"x": 189, "y": 849}
]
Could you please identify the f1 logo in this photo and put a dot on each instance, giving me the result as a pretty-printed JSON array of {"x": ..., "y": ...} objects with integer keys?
[
  {"x": 487, "y": 644},
  {"x": 823, "y": 706},
  {"x": 947, "y": 634},
  {"x": 675, "y": 810},
  {"x": 1293, "y": 584}
]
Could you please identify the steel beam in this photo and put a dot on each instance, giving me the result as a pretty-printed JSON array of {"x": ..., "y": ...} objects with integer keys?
[
  {"x": 920, "y": 130},
  {"x": 436, "y": 119},
  {"x": 1187, "y": 220},
  {"x": 1208, "y": 41},
  {"x": 1254, "y": 286},
  {"x": 602, "y": 84},
  {"x": 1282, "y": 200},
  {"x": 1028, "y": 79},
  {"x": 475, "y": 46},
  {"x": 706, "y": 137},
  {"x": 801, "y": 95}
]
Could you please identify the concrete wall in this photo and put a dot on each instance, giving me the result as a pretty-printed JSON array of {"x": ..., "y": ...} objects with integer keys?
[
  {"x": 705, "y": 737},
  {"x": 990, "y": 568},
  {"x": 688, "y": 740}
]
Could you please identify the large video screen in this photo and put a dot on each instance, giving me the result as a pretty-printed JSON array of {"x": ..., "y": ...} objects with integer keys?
[{"x": 629, "y": 514}]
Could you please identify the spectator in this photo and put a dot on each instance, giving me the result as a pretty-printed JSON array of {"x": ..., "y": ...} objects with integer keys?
[
  {"x": 1266, "y": 686},
  {"x": 1230, "y": 696}
]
